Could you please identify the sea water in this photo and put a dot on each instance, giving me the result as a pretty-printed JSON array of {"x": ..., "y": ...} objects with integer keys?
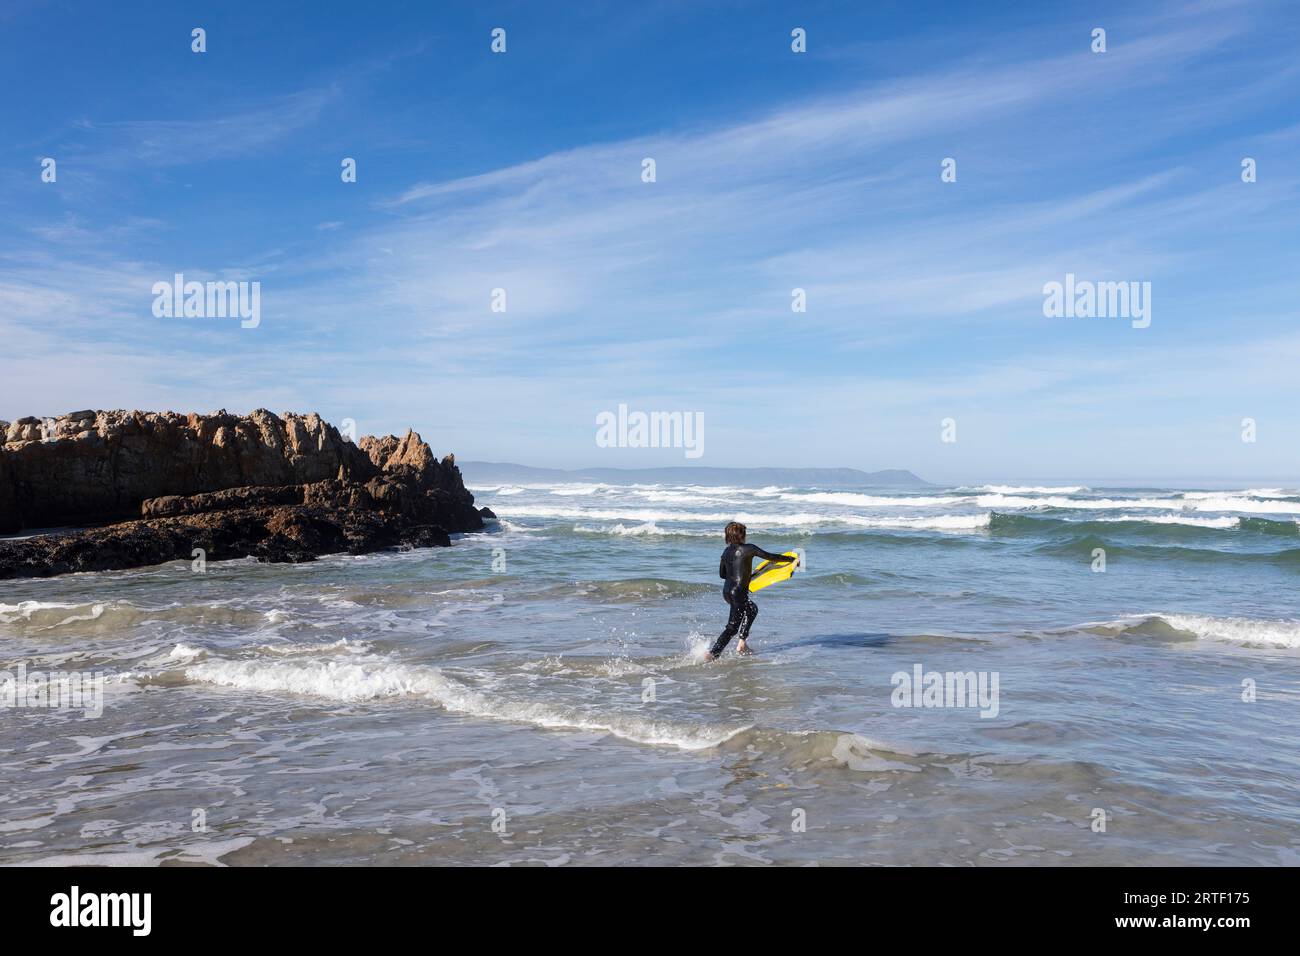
[{"x": 1036, "y": 674}]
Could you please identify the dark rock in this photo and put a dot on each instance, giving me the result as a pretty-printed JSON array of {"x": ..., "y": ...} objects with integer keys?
[
  {"x": 100, "y": 466},
  {"x": 255, "y": 496},
  {"x": 381, "y": 493}
]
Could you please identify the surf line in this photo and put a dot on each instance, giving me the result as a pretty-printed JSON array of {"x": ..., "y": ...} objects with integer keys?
[{"x": 922, "y": 688}]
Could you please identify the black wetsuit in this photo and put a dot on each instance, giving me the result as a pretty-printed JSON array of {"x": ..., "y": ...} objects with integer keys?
[{"x": 735, "y": 569}]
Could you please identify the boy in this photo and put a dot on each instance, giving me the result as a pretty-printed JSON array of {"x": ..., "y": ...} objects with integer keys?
[{"x": 735, "y": 569}]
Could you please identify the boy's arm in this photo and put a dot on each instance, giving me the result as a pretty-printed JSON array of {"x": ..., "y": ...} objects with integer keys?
[
  {"x": 722, "y": 568},
  {"x": 768, "y": 556}
]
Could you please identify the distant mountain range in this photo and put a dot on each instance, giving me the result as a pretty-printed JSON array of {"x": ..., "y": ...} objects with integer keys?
[{"x": 492, "y": 472}]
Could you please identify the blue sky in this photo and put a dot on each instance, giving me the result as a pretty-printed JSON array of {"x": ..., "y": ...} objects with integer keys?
[{"x": 775, "y": 171}]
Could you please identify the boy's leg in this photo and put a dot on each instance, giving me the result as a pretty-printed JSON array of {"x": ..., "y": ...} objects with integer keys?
[
  {"x": 747, "y": 621},
  {"x": 734, "y": 620},
  {"x": 750, "y": 612}
]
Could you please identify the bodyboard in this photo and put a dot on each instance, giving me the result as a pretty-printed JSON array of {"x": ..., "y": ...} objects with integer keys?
[{"x": 769, "y": 572}]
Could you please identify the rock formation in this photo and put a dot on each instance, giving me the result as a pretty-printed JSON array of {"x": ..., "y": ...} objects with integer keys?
[{"x": 154, "y": 487}]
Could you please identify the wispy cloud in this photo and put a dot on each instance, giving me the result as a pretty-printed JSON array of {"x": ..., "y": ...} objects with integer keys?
[
  {"x": 127, "y": 144},
  {"x": 924, "y": 297}
]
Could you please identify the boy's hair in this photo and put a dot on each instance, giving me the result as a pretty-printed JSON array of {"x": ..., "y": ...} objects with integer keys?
[{"x": 735, "y": 533}]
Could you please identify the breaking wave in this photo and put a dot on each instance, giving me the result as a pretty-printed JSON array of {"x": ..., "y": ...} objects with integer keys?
[
  {"x": 1161, "y": 526},
  {"x": 373, "y": 679},
  {"x": 1201, "y": 627},
  {"x": 1028, "y": 489}
]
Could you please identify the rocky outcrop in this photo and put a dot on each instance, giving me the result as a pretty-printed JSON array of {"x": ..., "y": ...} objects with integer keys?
[
  {"x": 91, "y": 467},
  {"x": 278, "y": 488}
]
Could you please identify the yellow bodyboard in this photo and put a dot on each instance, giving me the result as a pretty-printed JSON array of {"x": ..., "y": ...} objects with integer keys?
[{"x": 769, "y": 572}]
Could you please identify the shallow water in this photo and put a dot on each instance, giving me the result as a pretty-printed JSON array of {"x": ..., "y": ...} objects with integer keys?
[{"x": 535, "y": 694}]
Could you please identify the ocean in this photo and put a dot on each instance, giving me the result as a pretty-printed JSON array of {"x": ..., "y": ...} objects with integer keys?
[{"x": 992, "y": 675}]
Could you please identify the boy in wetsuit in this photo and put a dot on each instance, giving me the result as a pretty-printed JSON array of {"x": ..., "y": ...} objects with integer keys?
[{"x": 735, "y": 569}]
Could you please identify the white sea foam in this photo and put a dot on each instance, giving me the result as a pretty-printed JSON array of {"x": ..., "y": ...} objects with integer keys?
[
  {"x": 1028, "y": 489},
  {"x": 555, "y": 488},
  {"x": 511, "y": 526},
  {"x": 372, "y": 679},
  {"x": 1247, "y": 505},
  {"x": 853, "y": 499},
  {"x": 26, "y": 610},
  {"x": 1215, "y": 503},
  {"x": 1234, "y": 630},
  {"x": 207, "y": 852},
  {"x": 636, "y": 521},
  {"x": 648, "y": 529},
  {"x": 293, "y": 648},
  {"x": 624, "y": 503},
  {"x": 569, "y": 491},
  {"x": 855, "y": 752},
  {"x": 685, "y": 495},
  {"x": 23, "y": 611},
  {"x": 1248, "y": 493},
  {"x": 640, "y": 515},
  {"x": 1238, "y": 630}
]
